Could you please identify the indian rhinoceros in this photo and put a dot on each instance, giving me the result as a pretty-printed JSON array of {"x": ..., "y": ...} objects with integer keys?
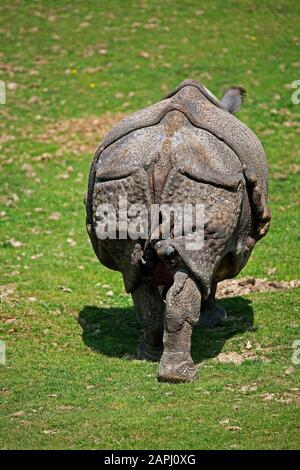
[{"x": 188, "y": 148}]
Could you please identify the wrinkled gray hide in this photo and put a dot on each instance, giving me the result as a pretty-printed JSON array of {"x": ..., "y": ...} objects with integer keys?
[{"x": 187, "y": 148}]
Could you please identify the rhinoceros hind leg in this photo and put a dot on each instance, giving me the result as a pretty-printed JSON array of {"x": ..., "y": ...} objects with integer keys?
[
  {"x": 150, "y": 309},
  {"x": 146, "y": 352},
  {"x": 212, "y": 314},
  {"x": 182, "y": 312}
]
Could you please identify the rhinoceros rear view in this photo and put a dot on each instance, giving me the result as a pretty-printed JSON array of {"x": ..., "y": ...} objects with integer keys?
[{"x": 186, "y": 152}]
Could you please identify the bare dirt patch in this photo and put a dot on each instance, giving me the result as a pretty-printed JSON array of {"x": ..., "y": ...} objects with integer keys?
[
  {"x": 9, "y": 296},
  {"x": 78, "y": 136},
  {"x": 7, "y": 291},
  {"x": 249, "y": 285},
  {"x": 235, "y": 358}
]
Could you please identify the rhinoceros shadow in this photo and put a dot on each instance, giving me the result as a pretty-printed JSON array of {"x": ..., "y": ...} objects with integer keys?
[{"x": 116, "y": 332}]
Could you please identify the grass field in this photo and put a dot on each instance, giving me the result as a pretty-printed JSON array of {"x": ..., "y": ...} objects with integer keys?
[{"x": 71, "y": 379}]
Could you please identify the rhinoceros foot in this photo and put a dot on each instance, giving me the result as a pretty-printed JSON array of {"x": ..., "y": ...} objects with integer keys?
[
  {"x": 211, "y": 316},
  {"x": 177, "y": 367},
  {"x": 147, "y": 352}
]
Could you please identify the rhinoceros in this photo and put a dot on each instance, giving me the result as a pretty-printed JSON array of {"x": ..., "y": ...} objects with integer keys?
[{"x": 187, "y": 149}]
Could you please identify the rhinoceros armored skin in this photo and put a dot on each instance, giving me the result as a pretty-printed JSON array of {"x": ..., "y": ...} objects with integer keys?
[{"x": 187, "y": 149}]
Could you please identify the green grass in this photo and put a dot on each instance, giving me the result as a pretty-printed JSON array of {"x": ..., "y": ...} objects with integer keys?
[{"x": 88, "y": 391}]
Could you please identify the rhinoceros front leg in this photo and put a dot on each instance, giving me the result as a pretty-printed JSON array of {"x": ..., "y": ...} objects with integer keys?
[
  {"x": 182, "y": 313},
  {"x": 211, "y": 313},
  {"x": 150, "y": 309}
]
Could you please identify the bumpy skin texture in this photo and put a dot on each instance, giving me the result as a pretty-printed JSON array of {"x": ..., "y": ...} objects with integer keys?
[{"x": 185, "y": 149}]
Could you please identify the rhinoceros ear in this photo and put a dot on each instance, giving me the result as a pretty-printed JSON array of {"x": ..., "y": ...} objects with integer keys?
[{"x": 233, "y": 99}]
